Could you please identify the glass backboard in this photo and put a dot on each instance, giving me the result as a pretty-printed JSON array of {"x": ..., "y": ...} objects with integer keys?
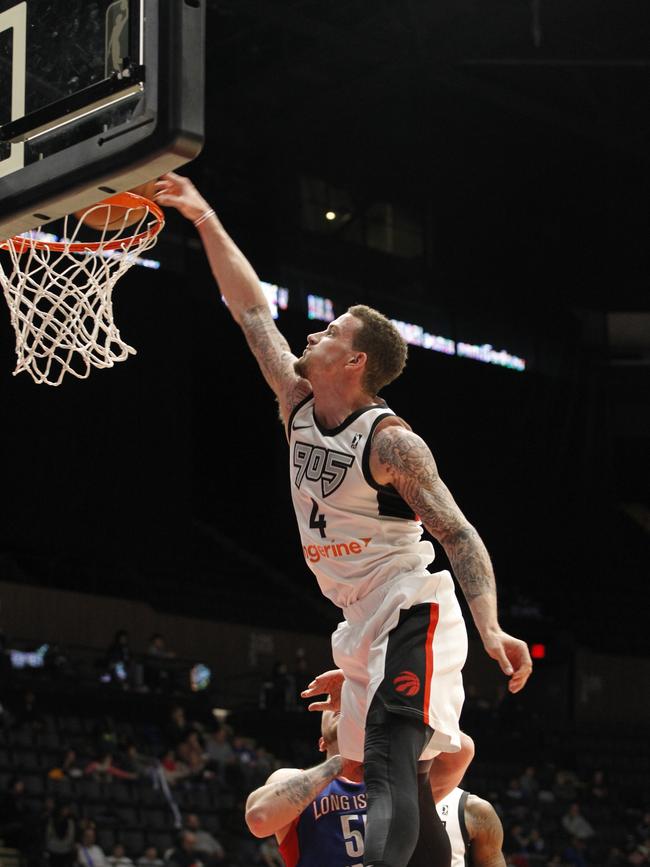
[{"x": 96, "y": 96}]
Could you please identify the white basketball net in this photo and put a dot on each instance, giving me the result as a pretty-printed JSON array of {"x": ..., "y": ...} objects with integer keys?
[{"x": 61, "y": 300}]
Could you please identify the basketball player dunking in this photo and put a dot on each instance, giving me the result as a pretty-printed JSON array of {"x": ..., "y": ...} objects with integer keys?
[{"x": 362, "y": 484}]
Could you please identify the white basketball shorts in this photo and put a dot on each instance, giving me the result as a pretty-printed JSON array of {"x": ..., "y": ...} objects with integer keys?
[{"x": 405, "y": 641}]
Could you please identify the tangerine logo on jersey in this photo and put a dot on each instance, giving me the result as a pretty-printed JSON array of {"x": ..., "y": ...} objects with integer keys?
[
  {"x": 315, "y": 553},
  {"x": 407, "y": 682}
]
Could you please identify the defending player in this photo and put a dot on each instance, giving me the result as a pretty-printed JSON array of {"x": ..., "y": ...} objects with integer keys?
[
  {"x": 318, "y": 816},
  {"x": 359, "y": 479}
]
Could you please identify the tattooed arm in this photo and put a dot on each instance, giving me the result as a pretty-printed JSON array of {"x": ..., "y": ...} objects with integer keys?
[
  {"x": 240, "y": 287},
  {"x": 402, "y": 459},
  {"x": 272, "y": 808},
  {"x": 485, "y": 833}
]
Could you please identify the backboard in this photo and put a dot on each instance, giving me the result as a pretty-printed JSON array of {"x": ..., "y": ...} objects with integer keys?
[{"x": 96, "y": 97}]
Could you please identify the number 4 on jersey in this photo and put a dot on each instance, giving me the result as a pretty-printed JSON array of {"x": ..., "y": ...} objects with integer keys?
[{"x": 317, "y": 521}]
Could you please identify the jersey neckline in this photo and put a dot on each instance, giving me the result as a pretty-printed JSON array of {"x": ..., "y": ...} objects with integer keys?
[{"x": 332, "y": 432}]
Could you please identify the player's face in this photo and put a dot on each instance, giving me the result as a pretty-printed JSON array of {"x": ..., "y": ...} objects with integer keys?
[{"x": 328, "y": 351}]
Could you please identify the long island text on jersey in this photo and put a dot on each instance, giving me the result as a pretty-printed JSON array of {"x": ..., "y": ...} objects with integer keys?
[{"x": 330, "y": 831}]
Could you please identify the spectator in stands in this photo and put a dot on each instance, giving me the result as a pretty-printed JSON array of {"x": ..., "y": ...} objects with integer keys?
[
  {"x": 156, "y": 673},
  {"x": 244, "y": 750},
  {"x": 104, "y": 770},
  {"x": 565, "y": 787},
  {"x": 158, "y": 648},
  {"x": 208, "y": 847},
  {"x": 60, "y": 836},
  {"x": 106, "y": 735},
  {"x": 178, "y": 727},
  {"x": 185, "y": 853},
  {"x": 575, "y": 823},
  {"x": 615, "y": 858},
  {"x": 137, "y": 763},
  {"x": 598, "y": 787},
  {"x": 150, "y": 858},
  {"x": 638, "y": 856},
  {"x": 173, "y": 769},
  {"x": 537, "y": 845},
  {"x": 517, "y": 840},
  {"x": 68, "y": 767},
  {"x": 529, "y": 785},
  {"x": 574, "y": 853},
  {"x": 84, "y": 822},
  {"x": 119, "y": 858},
  {"x": 119, "y": 659},
  {"x": 270, "y": 853},
  {"x": 191, "y": 752},
  {"x": 219, "y": 750},
  {"x": 263, "y": 767},
  {"x": 89, "y": 854},
  {"x": 48, "y": 811}
]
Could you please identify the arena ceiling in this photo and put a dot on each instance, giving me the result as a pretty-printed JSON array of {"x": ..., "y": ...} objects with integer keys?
[{"x": 521, "y": 107}]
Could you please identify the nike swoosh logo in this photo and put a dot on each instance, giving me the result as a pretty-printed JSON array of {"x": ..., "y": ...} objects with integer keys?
[{"x": 302, "y": 426}]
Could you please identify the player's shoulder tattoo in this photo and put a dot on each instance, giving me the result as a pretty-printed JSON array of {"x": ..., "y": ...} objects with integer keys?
[
  {"x": 482, "y": 819},
  {"x": 403, "y": 453}
]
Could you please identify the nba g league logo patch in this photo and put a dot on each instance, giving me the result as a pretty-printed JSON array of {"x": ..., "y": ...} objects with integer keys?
[{"x": 407, "y": 682}]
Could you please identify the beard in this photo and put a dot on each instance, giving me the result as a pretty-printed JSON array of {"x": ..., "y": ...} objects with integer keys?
[{"x": 300, "y": 367}]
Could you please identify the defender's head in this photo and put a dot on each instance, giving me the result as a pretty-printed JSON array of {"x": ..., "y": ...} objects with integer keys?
[
  {"x": 361, "y": 347},
  {"x": 329, "y": 726}
]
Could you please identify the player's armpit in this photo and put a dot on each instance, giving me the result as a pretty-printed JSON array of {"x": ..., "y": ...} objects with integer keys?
[
  {"x": 485, "y": 832},
  {"x": 275, "y": 359}
]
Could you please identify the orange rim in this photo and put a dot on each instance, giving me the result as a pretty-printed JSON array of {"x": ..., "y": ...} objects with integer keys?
[{"x": 121, "y": 200}]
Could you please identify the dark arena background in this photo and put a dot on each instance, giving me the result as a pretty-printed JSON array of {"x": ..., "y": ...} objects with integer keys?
[{"x": 481, "y": 175}]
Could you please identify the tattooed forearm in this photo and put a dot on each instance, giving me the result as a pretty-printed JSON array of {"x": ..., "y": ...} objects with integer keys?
[
  {"x": 276, "y": 804},
  {"x": 414, "y": 474},
  {"x": 301, "y": 790},
  {"x": 271, "y": 350},
  {"x": 471, "y": 562}
]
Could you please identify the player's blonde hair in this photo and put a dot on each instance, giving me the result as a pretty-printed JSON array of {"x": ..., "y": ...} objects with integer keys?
[{"x": 383, "y": 344}]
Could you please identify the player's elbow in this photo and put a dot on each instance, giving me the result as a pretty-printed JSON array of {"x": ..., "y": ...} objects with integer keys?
[
  {"x": 467, "y": 748},
  {"x": 258, "y": 822}
]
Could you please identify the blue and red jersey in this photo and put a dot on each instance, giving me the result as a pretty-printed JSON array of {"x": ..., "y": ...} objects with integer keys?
[{"x": 331, "y": 830}]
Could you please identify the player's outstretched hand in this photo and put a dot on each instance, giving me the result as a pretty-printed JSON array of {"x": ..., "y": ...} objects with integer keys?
[
  {"x": 329, "y": 682},
  {"x": 175, "y": 191},
  {"x": 513, "y": 657}
]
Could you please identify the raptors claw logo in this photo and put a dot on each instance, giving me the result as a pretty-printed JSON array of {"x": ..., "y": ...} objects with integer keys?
[{"x": 407, "y": 683}]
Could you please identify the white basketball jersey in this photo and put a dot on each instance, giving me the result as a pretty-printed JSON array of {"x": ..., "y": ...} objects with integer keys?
[
  {"x": 356, "y": 534},
  {"x": 452, "y": 813}
]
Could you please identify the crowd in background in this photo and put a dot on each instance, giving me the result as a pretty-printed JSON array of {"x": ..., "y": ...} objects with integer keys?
[{"x": 201, "y": 771}]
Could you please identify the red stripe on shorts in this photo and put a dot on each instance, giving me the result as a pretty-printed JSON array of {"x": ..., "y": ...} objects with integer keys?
[
  {"x": 290, "y": 846},
  {"x": 428, "y": 654}
]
